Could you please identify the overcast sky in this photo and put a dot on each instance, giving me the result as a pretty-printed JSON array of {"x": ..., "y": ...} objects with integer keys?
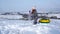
[{"x": 25, "y": 5}]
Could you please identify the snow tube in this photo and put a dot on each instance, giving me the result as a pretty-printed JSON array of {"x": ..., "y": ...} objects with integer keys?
[{"x": 44, "y": 20}]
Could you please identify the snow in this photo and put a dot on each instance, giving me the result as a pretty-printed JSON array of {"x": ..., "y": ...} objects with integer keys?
[
  {"x": 27, "y": 27},
  {"x": 58, "y": 15},
  {"x": 10, "y": 16}
]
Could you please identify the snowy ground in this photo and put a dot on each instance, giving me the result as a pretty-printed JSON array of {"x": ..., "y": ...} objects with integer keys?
[{"x": 27, "y": 27}]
